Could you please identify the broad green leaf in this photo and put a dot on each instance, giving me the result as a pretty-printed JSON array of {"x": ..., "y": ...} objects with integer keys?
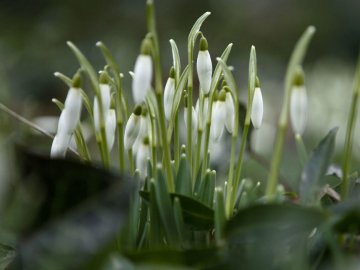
[
  {"x": 195, "y": 213},
  {"x": 316, "y": 168},
  {"x": 207, "y": 188},
  {"x": 271, "y": 236},
  {"x": 176, "y": 59}
]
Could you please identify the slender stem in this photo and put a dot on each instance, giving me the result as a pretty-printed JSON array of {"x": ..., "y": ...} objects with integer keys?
[
  {"x": 276, "y": 160},
  {"x": 197, "y": 155},
  {"x": 176, "y": 142},
  {"x": 120, "y": 127},
  {"x": 233, "y": 188},
  {"x": 348, "y": 145}
]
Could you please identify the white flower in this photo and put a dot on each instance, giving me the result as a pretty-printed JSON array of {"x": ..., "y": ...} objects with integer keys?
[
  {"x": 132, "y": 128},
  {"x": 68, "y": 120},
  {"x": 143, "y": 132},
  {"x": 60, "y": 145},
  {"x": 204, "y": 66},
  {"x": 142, "y": 157},
  {"x": 110, "y": 127},
  {"x": 217, "y": 120},
  {"x": 142, "y": 77},
  {"x": 298, "y": 109},
  {"x": 257, "y": 108},
  {"x": 230, "y": 113},
  {"x": 169, "y": 94}
]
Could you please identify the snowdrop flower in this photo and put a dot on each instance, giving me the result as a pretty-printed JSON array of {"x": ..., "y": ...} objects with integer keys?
[
  {"x": 105, "y": 98},
  {"x": 132, "y": 128},
  {"x": 218, "y": 116},
  {"x": 204, "y": 66},
  {"x": 257, "y": 108},
  {"x": 298, "y": 104},
  {"x": 143, "y": 131},
  {"x": 142, "y": 157},
  {"x": 230, "y": 111},
  {"x": 169, "y": 93},
  {"x": 110, "y": 128},
  {"x": 142, "y": 73},
  {"x": 68, "y": 120}
]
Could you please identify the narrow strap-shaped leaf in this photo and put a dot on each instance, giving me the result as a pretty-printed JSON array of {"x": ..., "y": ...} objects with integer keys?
[
  {"x": 176, "y": 59},
  {"x": 183, "y": 177},
  {"x": 179, "y": 220},
  {"x": 219, "y": 214}
]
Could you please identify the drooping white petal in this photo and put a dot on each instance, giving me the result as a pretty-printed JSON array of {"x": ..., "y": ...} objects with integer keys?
[
  {"x": 169, "y": 94},
  {"x": 204, "y": 70},
  {"x": 105, "y": 96},
  {"x": 142, "y": 77},
  {"x": 298, "y": 109},
  {"x": 110, "y": 128},
  {"x": 142, "y": 159},
  {"x": 143, "y": 132},
  {"x": 217, "y": 120},
  {"x": 59, "y": 145},
  {"x": 257, "y": 108},
  {"x": 131, "y": 131},
  {"x": 96, "y": 113},
  {"x": 230, "y": 113},
  {"x": 71, "y": 111}
]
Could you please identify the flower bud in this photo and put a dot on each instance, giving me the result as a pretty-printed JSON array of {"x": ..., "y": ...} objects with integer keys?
[
  {"x": 204, "y": 66},
  {"x": 230, "y": 111},
  {"x": 132, "y": 128},
  {"x": 142, "y": 156},
  {"x": 218, "y": 116},
  {"x": 59, "y": 145},
  {"x": 298, "y": 104},
  {"x": 169, "y": 94},
  {"x": 110, "y": 127},
  {"x": 142, "y": 73},
  {"x": 257, "y": 108}
]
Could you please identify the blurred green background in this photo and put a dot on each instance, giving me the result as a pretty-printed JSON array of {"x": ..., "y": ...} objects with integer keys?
[{"x": 33, "y": 37}]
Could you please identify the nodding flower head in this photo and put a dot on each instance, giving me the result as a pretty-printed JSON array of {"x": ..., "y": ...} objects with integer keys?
[
  {"x": 204, "y": 66},
  {"x": 257, "y": 108},
  {"x": 169, "y": 93},
  {"x": 132, "y": 128},
  {"x": 298, "y": 103},
  {"x": 143, "y": 72},
  {"x": 142, "y": 157},
  {"x": 110, "y": 128},
  {"x": 218, "y": 116},
  {"x": 69, "y": 118},
  {"x": 230, "y": 111}
]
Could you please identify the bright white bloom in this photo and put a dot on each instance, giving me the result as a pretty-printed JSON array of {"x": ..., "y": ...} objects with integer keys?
[
  {"x": 142, "y": 77},
  {"x": 142, "y": 157},
  {"x": 143, "y": 132},
  {"x": 204, "y": 66},
  {"x": 110, "y": 127},
  {"x": 218, "y": 118},
  {"x": 60, "y": 145},
  {"x": 298, "y": 109},
  {"x": 230, "y": 112},
  {"x": 132, "y": 128},
  {"x": 68, "y": 121},
  {"x": 257, "y": 108},
  {"x": 169, "y": 94}
]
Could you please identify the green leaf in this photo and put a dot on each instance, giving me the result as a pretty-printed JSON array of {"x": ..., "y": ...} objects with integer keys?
[
  {"x": 183, "y": 177},
  {"x": 219, "y": 214},
  {"x": 316, "y": 168},
  {"x": 271, "y": 236},
  {"x": 195, "y": 30},
  {"x": 195, "y": 213},
  {"x": 176, "y": 59},
  {"x": 207, "y": 188},
  {"x": 7, "y": 254},
  {"x": 346, "y": 216}
]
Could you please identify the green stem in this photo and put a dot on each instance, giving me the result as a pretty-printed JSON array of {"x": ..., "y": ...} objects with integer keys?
[
  {"x": 176, "y": 142},
  {"x": 120, "y": 127},
  {"x": 348, "y": 143}
]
